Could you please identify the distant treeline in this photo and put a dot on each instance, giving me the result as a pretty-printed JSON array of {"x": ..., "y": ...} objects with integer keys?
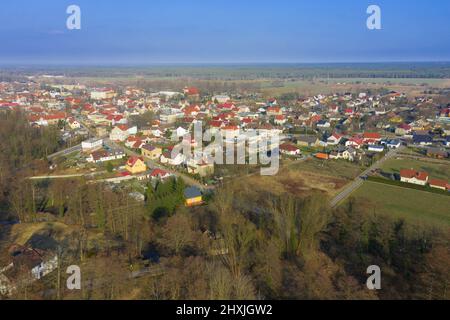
[{"x": 249, "y": 72}]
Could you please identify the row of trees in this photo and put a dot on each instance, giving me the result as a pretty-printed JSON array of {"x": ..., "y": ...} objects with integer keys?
[{"x": 24, "y": 149}]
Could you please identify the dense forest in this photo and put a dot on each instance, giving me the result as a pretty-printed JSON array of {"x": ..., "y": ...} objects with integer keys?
[
  {"x": 23, "y": 150},
  {"x": 241, "y": 245},
  {"x": 246, "y": 72}
]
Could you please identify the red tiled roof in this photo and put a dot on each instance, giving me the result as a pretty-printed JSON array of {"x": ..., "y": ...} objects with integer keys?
[
  {"x": 438, "y": 183},
  {"x": 132, "y": 161},
  {"x": 288, "y": 147},
  {"x": 372, "y": 135},
  {"x": 410, "y": 173},
  {"x": 216, "y": 123},
  {"x": 159, "y": 173}
]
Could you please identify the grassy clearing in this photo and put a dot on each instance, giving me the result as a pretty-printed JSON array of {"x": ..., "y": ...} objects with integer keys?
[
  {"x": 341, "y": 169},
  {"x": 435, "y": 170},
  {"x": 412, "y": 205},
  {"x": 295, "y": 182},
  {"x": 21, "y": 233}
]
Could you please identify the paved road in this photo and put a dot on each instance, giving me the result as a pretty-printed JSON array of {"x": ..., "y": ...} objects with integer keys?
[
  {"x": 350, "y": 188},
  {"x": 65, "y": 152},
  {"x": 66, "y": 176}
]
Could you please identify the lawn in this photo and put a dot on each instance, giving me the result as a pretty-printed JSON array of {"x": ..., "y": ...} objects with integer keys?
[
  {"x": 435, "y": 170},
  {"x": 413, "y": 205}
]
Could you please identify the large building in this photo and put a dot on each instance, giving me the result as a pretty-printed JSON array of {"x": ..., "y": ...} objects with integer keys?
[
  {"x": 91, "y": 144},
  {"x": 103, "y": 94}
]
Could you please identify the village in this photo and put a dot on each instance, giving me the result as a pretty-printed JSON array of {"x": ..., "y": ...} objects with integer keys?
[
  {"x": 133, "y": 130},
  {"x": 126, "y": 135}
]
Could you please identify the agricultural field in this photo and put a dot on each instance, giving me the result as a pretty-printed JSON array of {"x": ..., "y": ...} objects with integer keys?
[
  {"x": 324, "y": 86},
  {"x": 413, "y": 205}
]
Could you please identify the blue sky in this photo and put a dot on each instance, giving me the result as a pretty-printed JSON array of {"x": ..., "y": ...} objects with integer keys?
[{"x": 223, "y": 31}]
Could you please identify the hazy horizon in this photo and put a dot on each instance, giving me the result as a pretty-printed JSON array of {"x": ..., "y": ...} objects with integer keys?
[{"x": 222, "y": 32}]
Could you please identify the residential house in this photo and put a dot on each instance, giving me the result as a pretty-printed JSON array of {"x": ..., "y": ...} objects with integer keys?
[
  {"x": 274, "y": 111},
  {"x": 160, "y": 174},
  {"x": 423, "y": 139},
  {"x": 394, "y": 144},
  {"x": 334, "y": 140},
  {"x": 122, "y": 132},
  {"x": 37, "y": 263},
  {"x": 355, "y": 142},
  {"x": 136, "y": 165},
  {"x": 323, "y": 124},
  {"x": 289, "y": 149},
  {"x": 192, "y": 92},
  {"x": 152, "y": 152},
  {"x": 173, "y": 160},
  {"x": 376, "y": 148},
  {"x": 439, "y": 184},
  {"x": 349, "y": 154},
  {"x": 280, "y": 120},
  {"x": 74, "y": 124},
  {"x": 91, "y": 144},
  {"x": 100, "y": 156},
  {"x": 193, "y": 197},
  {"x": 371, "y": 137},
  {"x": 203, "y": 169},
  {"x": 307, "y": 141},
  {"x": 414, "y": 177}
]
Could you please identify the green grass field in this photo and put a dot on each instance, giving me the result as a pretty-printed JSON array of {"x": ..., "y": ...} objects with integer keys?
[
  {"x": 412, "y": 205},
  {"x": 435, "y": 170}
]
